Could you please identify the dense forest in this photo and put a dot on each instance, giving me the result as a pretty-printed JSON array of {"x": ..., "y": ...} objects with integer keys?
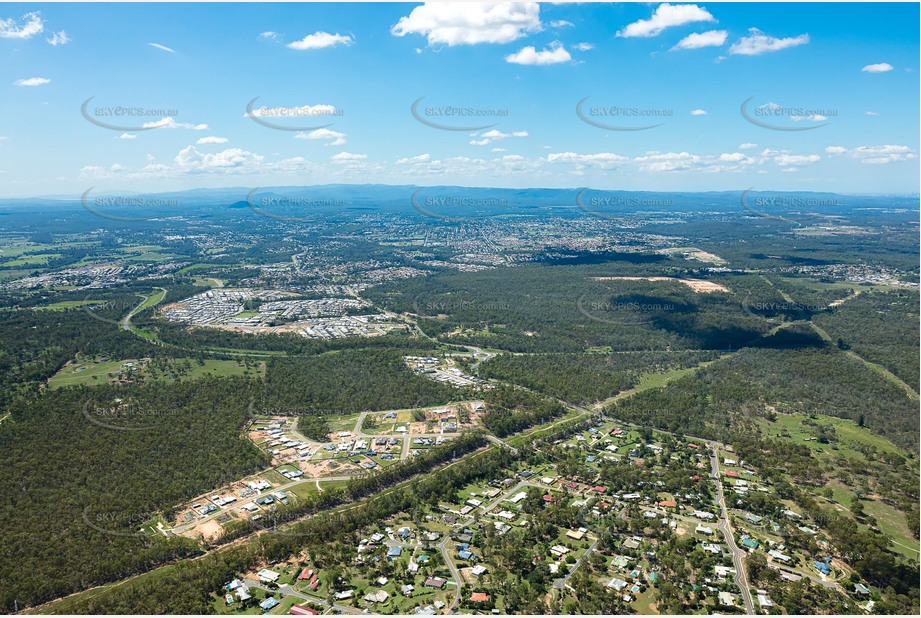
[
  {"x": 112, "y": 456},
  {"x": 565, "y": 309},
  {"x": 882, "y": 327},
  {"x": 759, "y": 382},
  {"x": 586, "y": 378},
  {"x": 349, "y": 381}
]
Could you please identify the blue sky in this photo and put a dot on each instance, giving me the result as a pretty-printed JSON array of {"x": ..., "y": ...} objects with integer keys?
[{"x": 847, "y": 73}]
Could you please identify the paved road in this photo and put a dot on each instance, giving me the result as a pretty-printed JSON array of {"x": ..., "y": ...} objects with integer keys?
[
  {"x": 288, "y": 591},
  {"x": 446, "y": 555},
  {"x": 725, "y": 526},
  {"x": 126, "y": 321},
  {"x": 498, "y": 441},
  {"x": 562, "y": 581}
]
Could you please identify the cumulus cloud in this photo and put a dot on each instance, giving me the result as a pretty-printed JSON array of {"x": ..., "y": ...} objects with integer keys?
[
  {"x": 461, "y": 23},
  {"x": 601, "y": 160},
  {"x": 698, "y": 112},
  {"x": 788, "y": 160},
  {"x": 127, "y": 136},
  {"x": 747, "y": 146},
  {"x": 32, "y": 81},
  {"x": 192, "y": 160},
  {"x": 758, "y": 43},
  {"x": 530, "y": 56},
  {"x": 881, "y": 67},
  {"x": 212, "y": 140},
  {"x": 810, "y": 118},
  {"x": 423, "y": 158},
  {"x": 697, "y": 40},
  {"x": 335, "y": 137},
  {"x": 560, "y": 23},
  {"x": 347, "y": 157},
  {"x": 874, "y": 155},
  {"x": 583, "y": 46},
  {"x": 320, "y": 40},
  {"x": 58, "y": 38},
  {"x": 272, "y": 36},
  {"x": 666, "y": 16},
  {"x": 495, "y": 136},
  {"x": 26, "y": 27},
  {"x": 170, "y": 123}
]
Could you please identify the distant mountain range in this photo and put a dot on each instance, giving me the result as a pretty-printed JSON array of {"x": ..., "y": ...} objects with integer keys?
[{"x": 454, "y": 201}]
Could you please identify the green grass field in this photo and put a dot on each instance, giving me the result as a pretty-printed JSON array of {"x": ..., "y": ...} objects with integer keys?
[
  {"x": 849, "y": 435},
  {"x": 87, "y": 373},
  {"x": 92, "y": 372}
]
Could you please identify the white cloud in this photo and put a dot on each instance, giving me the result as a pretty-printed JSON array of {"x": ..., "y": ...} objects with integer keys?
[
  {"x": 747, "y": 146},
  {"x": 602, "y": 160},
  {"x": 163, "y": 47},
  {"x": 668, "y": 161},
  {"x": 320, "y": 40},
  {"x": 759, "y": 43},
  {"x": 212, "y": 140},
  {"x": 493, "y": 135},
  {"x": 272, "y": 36},
  {"x": 423, "y": 158},
  {"x": 530, "y": 56},
  {"x": 337, "y": 138},
  {"x": 874, "y": 155},
  {"x": 497, "y": 149},
  {"x": 560, "y": 23},
  {"x": 347, "y": 157},
  {"x": 698, "y": 112},
  {"x": 810, "y": 117},
  {"x": 881, "y": 67},
  {"x": 666, "y": 16},
  {"x": 58, "y": 38},
  {"x": 127, "y": 136},
  {"x": 32, "y": 81},
  {"x": 872, "y": 113},
  {"x": 31, "y": 24},
  {"x": 697, "y": 40},
  {"x": 170, "y": 123},
  {"x": 787, "y": 160},
  {"x": 191, "y": 160},
  {"x": 462, "y": 23},
  {"x": 583, "y": 46}
]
